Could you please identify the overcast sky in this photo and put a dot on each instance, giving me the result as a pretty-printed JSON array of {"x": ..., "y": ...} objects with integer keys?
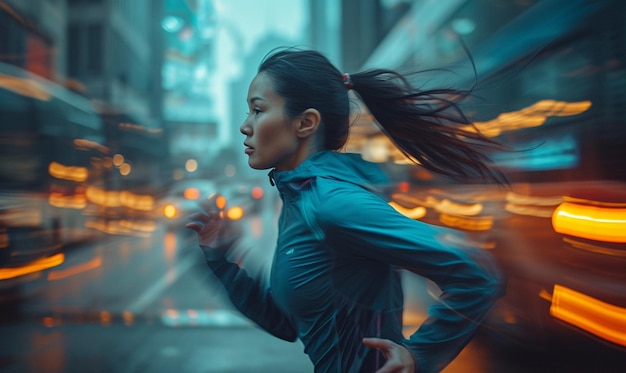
[
  {"x": 242, "y": 24},
  {"x": 253, "y": 19}
]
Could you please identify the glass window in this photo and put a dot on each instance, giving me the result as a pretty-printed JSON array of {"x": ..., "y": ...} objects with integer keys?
[
  {"x": 94, "y": 47},
  {"x": 73, "y": 51}
]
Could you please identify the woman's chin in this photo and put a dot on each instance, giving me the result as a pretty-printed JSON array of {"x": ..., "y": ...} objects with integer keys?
[{"x": 257, "y": 166}]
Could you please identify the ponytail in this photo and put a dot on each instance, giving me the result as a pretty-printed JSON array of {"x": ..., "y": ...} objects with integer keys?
[{"x": 427, "y": 125}]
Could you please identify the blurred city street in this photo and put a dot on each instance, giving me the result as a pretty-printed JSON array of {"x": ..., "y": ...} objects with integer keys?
[
  {"x": 119, "y": 119},
  {"x": 149, "y": 304},
  {"x": 136, "y": 304}
]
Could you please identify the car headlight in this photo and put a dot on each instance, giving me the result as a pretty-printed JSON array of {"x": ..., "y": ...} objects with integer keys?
[
  {"x": 169, "y": 211},
  {"x": 234, "y": 213}
]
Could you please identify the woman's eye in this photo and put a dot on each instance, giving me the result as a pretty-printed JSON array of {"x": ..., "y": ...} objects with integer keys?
[{"x": 254, "y": 111}]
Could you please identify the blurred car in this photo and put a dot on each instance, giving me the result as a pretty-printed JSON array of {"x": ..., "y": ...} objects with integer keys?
[
  {"x": 30, "y": 241},
  {"x": 235, "y": 199},
  {"x": 183, "y": 199},
  {"x": 248, "y": 194}
]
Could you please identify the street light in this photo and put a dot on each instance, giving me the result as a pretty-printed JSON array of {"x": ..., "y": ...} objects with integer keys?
[{"x": 172, "y": 24}]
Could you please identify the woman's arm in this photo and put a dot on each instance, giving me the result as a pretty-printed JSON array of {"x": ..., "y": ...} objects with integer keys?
[
  {"x": 248, "y": 295},
  {"x": 468, "y": 277}
]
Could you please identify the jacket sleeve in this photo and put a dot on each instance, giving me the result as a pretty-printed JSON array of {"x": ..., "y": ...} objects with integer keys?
[
  {"x": 365, "y": 225},
  {"x": 251, "y": 298}
]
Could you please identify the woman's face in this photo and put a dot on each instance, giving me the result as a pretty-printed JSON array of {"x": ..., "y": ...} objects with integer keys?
[{"x": 271, "y": 140}]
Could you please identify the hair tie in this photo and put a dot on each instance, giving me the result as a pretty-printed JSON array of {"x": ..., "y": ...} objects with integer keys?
[{"x": 347, "y": 82}]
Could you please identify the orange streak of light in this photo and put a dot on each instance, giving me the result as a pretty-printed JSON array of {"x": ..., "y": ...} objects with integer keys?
[
  {"x": 72, "y": 271},
  {"x": 603, "y": 319},
  {"x": 36, "y": 266}
]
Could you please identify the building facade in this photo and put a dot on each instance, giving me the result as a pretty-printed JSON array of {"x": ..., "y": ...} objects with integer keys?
[{"x": 33, "y": 36}]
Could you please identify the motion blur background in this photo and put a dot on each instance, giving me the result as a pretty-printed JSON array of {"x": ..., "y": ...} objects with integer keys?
[{"x": 119, "y": 118}]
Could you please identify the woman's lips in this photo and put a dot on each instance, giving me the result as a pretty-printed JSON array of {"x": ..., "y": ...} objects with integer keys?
[{"x": 249, "y": 150}]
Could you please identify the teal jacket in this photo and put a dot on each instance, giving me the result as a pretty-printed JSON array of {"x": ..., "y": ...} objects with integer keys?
[{"x": 335, "y": 277}]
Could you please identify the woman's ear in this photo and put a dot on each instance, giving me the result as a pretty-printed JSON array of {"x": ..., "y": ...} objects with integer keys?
[{"x": 308, "y": 123}]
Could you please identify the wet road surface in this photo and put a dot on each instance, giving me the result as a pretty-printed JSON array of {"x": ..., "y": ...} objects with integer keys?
[{"x": 148, "y": 304}]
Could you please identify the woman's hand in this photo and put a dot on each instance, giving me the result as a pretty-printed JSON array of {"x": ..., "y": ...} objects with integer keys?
[
  {"x": 214, "y": 231},
  {"x": 399, "y": 358},
  {"x": 210, "y": 228},
  {"x": 215, "y": 234}
]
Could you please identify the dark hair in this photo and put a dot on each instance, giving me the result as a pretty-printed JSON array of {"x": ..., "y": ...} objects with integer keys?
[{"x": 426, "y": 125}]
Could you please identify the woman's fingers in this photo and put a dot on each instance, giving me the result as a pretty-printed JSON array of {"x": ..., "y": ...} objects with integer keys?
[
  {"x": 198, "y": 221},
  {"x": 399, "y": 358},
  {"x": 210, "y": 227},
  {"x": 194, "y": 226},
  {"x": 377, "y": 343},
  {"x": 203, "y": 217}
]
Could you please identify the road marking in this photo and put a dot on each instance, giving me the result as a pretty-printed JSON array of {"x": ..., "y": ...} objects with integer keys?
[
  {"x": 213, "y": 318},
  {"x": 153, "y": 292}
]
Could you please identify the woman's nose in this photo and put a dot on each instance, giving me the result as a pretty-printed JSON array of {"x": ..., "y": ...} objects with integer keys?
[{"x": 244, "y": 128}]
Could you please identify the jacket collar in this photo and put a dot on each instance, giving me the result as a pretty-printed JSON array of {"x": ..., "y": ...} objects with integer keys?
[{"x": 349, "y": 167}]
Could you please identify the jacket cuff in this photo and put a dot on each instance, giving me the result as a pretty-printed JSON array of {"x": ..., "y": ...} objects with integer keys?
[{"x": 213, "y": 253}]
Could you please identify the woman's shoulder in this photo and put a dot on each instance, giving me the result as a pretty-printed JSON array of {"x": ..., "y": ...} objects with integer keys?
[
  {"x": 339, "y": 198},
  {"x": 331, "y": 189}
]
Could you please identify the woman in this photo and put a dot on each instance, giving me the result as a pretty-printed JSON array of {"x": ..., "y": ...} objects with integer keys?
[{"x": 335, "y": 281}]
